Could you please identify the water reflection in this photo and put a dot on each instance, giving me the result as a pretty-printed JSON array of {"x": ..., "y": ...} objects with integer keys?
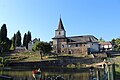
[{"x": 48, "y": 74}]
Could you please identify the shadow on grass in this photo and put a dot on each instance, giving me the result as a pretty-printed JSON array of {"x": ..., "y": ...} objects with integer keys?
[
  {"x": 67, "y": 57},
  {"x": 117, "y": 76}
]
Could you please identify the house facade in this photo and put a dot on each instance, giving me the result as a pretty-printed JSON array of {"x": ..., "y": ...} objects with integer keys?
[
  {"x": 75, "y": 44},
  {"x": 105, "y": 46},
  {"x": 31, "y": 43}
]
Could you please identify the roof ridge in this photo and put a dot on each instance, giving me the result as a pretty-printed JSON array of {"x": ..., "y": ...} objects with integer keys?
[{"x": 82, "y": 36}]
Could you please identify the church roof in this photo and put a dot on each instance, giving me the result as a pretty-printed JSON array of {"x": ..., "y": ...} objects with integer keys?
[
  {"x": 81, "y": 39},
  {"x": 60, "y": 25}
]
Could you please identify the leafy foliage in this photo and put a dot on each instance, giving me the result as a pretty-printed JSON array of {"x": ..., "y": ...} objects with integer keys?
[
  {"x": 116, "y": 43},
  {"x": 101, "y": 40},
  {"x": 43, "y": 46}
]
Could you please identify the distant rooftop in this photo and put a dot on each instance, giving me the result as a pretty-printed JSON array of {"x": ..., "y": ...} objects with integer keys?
[{"x": 84, "y": 38}]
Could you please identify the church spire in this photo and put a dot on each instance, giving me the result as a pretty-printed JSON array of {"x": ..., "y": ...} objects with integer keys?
[{"x": 60, "y": 25}]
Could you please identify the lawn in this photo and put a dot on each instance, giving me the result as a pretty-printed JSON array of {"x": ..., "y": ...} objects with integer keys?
[
  {"x": 24, "y": 56},
  {"x": 27, "y": 57}
]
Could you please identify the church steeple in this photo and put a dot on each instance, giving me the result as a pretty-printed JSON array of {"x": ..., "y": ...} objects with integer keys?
[
  {"x": 60, "y": 32},
  {"x": 60, "y": 25}
]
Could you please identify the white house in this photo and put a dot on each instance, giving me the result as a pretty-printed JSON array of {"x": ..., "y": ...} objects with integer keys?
[
  {"x": 105, "y": 46},
  {"x": 31, "y": 43}
]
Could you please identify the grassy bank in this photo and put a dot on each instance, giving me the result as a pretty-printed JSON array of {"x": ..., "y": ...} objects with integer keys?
[{"x": 35, "y": 56}]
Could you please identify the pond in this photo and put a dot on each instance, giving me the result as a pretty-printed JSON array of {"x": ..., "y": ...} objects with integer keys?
[{"x": 26, "y": 74}]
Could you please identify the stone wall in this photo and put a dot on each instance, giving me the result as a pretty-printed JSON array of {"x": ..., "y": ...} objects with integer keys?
[{"x": 75, "y": 50}]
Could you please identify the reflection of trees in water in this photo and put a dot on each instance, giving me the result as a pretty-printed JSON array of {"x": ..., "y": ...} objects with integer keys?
[
  {"x": 54, "y": 77},
  {"x": 71, "y": 76}
]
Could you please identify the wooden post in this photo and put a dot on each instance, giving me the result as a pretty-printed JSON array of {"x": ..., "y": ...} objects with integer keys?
[
  {"x": 109, "y": 77},
  {"x": 104, "y": 67},
  {"x": 113, "y": 71},
  {"x": 98, "y": 75}
]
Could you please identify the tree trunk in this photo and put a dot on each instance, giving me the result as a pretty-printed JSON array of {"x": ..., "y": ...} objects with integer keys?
[{"x": 41, "y": 55}]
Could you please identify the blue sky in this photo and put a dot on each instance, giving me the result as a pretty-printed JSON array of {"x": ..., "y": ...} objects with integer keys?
[{"x": 100, "y": 18}]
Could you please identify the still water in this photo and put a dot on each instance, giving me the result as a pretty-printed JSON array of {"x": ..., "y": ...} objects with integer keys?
[{"x": 26, "y": 74}]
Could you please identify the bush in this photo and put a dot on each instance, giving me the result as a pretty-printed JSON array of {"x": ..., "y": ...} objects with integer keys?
[
  {"x": 4, "y": 62},
  {"x": 71, "y": 66}
]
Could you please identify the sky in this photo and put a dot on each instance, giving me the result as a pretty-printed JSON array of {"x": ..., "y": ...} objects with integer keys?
[{"x": 100, "y": 18}]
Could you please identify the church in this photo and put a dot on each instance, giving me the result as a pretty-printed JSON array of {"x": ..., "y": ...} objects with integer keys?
[{"x": 75, "y": 44}]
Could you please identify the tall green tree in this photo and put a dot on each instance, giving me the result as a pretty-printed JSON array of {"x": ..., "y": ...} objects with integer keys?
[
  {"x": 24, "y": 39},
  {"x": 3, "y": 33},
  {"x": 13, "y": 42},
  {"x": 5, "y": 43},
  {"x": 29, "y": 36},
  {"x": 18, "y": 39}
]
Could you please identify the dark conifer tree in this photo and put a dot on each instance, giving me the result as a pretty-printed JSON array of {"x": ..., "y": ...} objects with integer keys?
[
  {"x": 18, "y": 39},
  {"x": 5, "y": 43},
  {"x": 24, "y": 39},
  {"x": 29, "y": 36},
  {"x": 14, "y": 38},
  {"x": 13, "y": 41},
  {"x": 0, "y": 35},
  {"x": 3, "y": 33}
]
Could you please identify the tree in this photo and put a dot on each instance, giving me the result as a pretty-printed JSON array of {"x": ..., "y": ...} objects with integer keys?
[
  {"x": 3, "y": 33},
  {"x": 5, "y": 43},
  {"x": 117, "y": 44},
  {"x": 13, "y": 43},
  {"x": 26, "y": 39},
  {"x": 18, "y": 39},
  {"x": 101, "y": 40},
  {"x": 29, "y": 36},
  {"x": 44, "y": 47},
  {"x": 0, "y": 35},
  {"x": 113, "y": 41}
]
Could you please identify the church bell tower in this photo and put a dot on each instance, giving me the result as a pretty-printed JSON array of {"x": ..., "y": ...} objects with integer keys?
[
  {"x": 60, "y": 36},
  {"x": 60, "y": 32}
]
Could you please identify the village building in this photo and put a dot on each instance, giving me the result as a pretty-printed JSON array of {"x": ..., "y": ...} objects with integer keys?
[
  {"x": 73, "y": 45},
  {"x": 32, "y": 42},
  {"x": 106, "y": 46},
  {"x": 20, "y": 49}
]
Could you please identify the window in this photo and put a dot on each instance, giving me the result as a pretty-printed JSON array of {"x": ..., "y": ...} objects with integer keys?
[
  {"x": 69, "y": 45},
  {"x": 77, "y": 45},
  {"x": 63, "y": 46},
  {"x": 59, "y": 33},
  {"x": 62, "y": 51}
]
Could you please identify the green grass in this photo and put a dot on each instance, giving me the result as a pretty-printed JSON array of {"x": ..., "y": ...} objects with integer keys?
[
  {"x": 117, "y": 69},
  {"x": 23, "y": 56},
  {"x": 27, "y": 57}
]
